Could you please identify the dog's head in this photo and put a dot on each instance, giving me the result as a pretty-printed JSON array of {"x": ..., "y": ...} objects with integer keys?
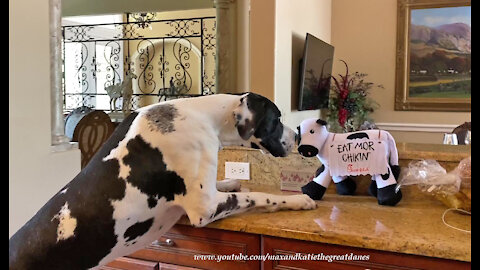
[
  {"x": 312, "y": 134},
  {"x": 257, "y": 120}
]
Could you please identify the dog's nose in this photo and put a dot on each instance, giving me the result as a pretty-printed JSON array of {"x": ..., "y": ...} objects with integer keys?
[{"x": 307, "y": 150}]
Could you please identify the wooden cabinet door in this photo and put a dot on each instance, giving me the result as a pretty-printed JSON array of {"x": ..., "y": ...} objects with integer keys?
[
  {"x": 182, "y": 243},
  {"x": 125, "y": 263},
  {"x": 377, "y": 259}
]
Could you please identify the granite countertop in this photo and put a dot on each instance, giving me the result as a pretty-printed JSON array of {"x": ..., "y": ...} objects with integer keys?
[
  {"x": 440, "y": 152},
  {"x": 412, "y": 227}
]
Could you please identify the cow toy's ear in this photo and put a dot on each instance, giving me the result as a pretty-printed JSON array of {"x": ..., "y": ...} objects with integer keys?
[{"x": 321, "y": 122}]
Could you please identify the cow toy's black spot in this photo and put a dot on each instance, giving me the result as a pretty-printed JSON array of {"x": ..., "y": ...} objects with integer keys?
[
  {"x": 321, "y": 122},
  {"x": 320, "y": 170},
  {"x": 137, "y": 229},
  {"x": 160, "y": 118},
  {"x": 387, "y": 175},
  {"x": 89, "y": 201},
  {"x": 149, "y": 173},
  {"x": 358, "y": 135}
]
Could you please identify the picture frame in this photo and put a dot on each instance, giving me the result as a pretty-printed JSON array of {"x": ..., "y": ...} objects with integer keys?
[{"x": 433, "y": 60}]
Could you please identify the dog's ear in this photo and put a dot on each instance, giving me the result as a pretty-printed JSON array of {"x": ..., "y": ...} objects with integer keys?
[
  {"x": 298, "y": 138},
  {"x": 246, "y": 117}
]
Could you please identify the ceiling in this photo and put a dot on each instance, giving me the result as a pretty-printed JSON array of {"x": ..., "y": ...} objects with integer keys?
[{"x": 96, "y": 7}]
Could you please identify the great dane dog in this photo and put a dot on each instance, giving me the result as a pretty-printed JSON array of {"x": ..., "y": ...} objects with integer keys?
[{"x": 159, "y": 164}]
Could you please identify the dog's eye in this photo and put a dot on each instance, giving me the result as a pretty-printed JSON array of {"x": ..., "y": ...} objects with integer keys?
[{"x": 311, "y": 131}]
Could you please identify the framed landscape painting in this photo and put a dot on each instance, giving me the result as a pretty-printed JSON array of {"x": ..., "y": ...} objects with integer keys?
[{"x": 433, "y": 65}]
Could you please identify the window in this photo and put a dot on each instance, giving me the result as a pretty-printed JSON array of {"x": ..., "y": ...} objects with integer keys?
[{"x": 167, "y": 59}]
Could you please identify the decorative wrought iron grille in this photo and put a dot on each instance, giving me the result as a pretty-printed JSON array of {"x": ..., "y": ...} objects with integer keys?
[{"x": 170, "y": 59}]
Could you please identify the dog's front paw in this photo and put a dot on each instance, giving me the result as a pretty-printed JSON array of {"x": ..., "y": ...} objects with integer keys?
[
  {"x": 302, "y": 202},
  {"x": 229, "y": 185}
]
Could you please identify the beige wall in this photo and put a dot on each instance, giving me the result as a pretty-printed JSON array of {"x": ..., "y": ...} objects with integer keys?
[
  {"x": 293, "y": 19},
  {"x": 262, "y": 47},
  {"x": 35, "y": 173},
  {"x": 364, "y": 35}
]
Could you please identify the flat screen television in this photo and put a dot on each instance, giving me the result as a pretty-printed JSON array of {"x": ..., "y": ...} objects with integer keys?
[{"x": 315, "y": 73}]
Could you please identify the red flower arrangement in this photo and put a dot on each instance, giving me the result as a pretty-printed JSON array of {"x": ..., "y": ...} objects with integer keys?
[{"x": 349, "y": 106}]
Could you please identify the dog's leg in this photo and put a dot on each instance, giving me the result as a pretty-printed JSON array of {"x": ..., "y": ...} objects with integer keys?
[
  {"x": 228, "y": 185},
  {"x": 226, "y": 204}
]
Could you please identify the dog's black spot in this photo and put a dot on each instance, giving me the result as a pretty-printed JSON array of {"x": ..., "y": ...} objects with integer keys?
[
  {"x": 200, "y": 221},
  {"x": 201, "y": 187},
  {"x": 246, "y": 200},
  {"x": 251, "y": 203},
  {"x": 152, "y": 202},
  {"x": 35, "y": 245},
  {"x": 387, "y": 175},
  {"x": 137, "y": 229},
  {"x": 254, "y": 145},
  {"x": 229, "y": 204},
  {"x": 149, "y": 173},
  {"x": 284, "y": 202},
  {"x": 299, "y": 136},
  {"x": 268, "y": 200},
  {"x": 320, "y": 170},
  {"x": 160, "y": 118},
  {"x": 274, "y": 203},
  {"x": 357, "y": 135}
]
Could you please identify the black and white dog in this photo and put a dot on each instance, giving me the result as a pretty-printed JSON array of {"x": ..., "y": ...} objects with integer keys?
[{"x": 159, "y": 164}]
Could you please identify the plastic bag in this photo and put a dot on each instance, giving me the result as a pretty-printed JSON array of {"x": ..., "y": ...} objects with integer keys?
[
  {"x": 464, "y": 170},
  {"x": 430, "y": 177}
]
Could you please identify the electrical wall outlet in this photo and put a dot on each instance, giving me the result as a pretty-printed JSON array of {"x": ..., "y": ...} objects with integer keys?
[{"x": 237, "y": 170}]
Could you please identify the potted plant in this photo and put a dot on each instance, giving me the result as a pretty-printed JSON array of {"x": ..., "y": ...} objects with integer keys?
[{"x": 349, "y": 105}]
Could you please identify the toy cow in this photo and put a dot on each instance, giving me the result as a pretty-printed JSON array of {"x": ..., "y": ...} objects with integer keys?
[{"x": 344, "y": 155}]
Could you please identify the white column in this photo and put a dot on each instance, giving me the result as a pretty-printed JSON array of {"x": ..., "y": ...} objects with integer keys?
[{"x": 59, "y": 140}]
